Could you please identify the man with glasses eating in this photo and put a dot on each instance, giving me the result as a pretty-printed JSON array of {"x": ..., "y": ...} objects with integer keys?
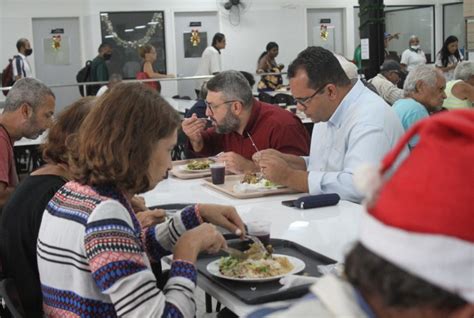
[
  {"x": 242, "y": 125},
  {"x": 353, "y": 126}
]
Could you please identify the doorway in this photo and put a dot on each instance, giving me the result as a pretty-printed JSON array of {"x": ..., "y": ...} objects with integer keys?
[
  {"x": 326, "y": 29},
  {"x": 207, "y": 24},
  {"x": 56, "y": 42}
]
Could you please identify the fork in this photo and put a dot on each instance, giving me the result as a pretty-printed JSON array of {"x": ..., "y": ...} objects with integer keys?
[
  {"x": 259, "y": 174},
  {"x": 235, "y": 253},
  {"x": 257, "y": 241}
]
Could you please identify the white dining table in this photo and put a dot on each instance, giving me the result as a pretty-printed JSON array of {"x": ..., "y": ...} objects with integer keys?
[
  {"x": 330, "y": 231},
  {"x": 180, "y": 104}
]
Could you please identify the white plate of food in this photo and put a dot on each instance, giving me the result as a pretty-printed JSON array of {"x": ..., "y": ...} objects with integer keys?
[
  {"x": 255, "y": 182},
  {"x": 256, "y": 268},
  {"x": 197, "y": 166}
]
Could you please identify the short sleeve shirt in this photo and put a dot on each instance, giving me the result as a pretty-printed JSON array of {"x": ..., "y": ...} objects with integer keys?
[
  {"x": 8, "y": 173},
  {"x": 410, "y": 112},
  {"x": 412, "y": 59}
]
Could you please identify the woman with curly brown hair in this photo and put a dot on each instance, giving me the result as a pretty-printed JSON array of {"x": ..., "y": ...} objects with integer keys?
[
  {"x": 21, "y": 216},
  {"x": 93, "y": 256}
]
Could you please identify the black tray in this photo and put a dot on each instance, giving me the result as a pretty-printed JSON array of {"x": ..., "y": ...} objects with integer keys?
[
  {"x": 171, "y": 206},
  {"x": 267, "y": 291}
]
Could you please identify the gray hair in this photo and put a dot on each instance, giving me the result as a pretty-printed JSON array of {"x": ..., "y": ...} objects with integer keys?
[
  {"x": 464, "y": 70},
  {"x": 233, "y": 85},
  {"x": 27, "y": 90},
  {"x": 426, "y": 73},
  {"x": 115, "y": 78},
  {"x": 203, "y": 92}
]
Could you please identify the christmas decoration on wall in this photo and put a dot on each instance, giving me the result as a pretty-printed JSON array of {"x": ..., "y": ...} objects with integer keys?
[
  {"x": 56, "y": 43},
  {"x": 156, "y": 21},
  {"x": 324, "y": 32},
  {"x": 195, "y": 37}
]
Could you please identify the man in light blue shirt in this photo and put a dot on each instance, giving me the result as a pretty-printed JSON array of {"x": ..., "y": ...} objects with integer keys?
[
  {"x": 424, "y": 92},
  {"x": 353, "y": 126}
]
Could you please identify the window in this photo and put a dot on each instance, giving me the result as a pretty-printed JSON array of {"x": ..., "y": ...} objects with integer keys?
[
  {"x": 408, "y": 21},
  {"x": 126, "y": 32}
]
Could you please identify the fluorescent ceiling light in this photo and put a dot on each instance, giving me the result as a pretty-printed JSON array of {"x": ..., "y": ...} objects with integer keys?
[
  {"x": 109, "y": 36},
  {"x": 104, "y": 14},
  {"x": 152, "y": 23},
  {"x": 140, "y": 27},
  {"x": 129, "y": 30}
]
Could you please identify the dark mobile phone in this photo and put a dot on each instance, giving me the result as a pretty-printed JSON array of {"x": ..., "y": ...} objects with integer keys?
[{"x": 290, "y": 203}]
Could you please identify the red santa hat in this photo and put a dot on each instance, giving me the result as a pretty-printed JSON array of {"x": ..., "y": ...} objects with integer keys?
[{"x": 422, "y": 217}]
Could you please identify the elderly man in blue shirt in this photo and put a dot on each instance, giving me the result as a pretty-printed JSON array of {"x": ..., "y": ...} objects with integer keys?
[
  {"x": 424, "y": 95},
  {"x": 353, "y": 126}
]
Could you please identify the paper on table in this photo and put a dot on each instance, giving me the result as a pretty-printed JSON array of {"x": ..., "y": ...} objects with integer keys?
[{"x": 296, "y": 280}]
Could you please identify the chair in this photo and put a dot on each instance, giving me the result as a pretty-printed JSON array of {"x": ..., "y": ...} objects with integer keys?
[
  {"x": 9, "y": 293},
  {"x": 180, "y": 151},
  {"x": 282, "y": 98},
  {"x": 266, "y": 98}
]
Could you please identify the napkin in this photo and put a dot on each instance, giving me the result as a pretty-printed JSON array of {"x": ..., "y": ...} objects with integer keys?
[{"x": 298, "y": 280}]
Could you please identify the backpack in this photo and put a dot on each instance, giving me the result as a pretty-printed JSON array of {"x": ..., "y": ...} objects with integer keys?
[
  {"x": 85, "y": 75},
  {"x": 7, "y": 74}
]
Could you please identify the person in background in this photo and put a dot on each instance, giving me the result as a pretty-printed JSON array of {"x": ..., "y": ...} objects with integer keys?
[
  {"x": 413, "y": 56},
  {"x": 210, "y": 63},
  {"x": 99, "y": 70},
  {"x": 21, "y": 65},
  {"x": 460, "y": 90},
  {"x": 352, "y": 72},
  {"x": 352, "y": 126},
  {"x": 113, "y": 80},
  {"x": 424, "y": 94},
  {"x": 148, "y": 54},
  {"x": 28, "y": 112},
  {"x": 387, "y": 37},
  {"x": 21, "y": 217},
  {"x": 91, "y": 217},
  {"x": 405, "y": 265},
  {"x": 242, "y": 125},
  {"x": 267, "y": 64},
  {"x": 386, "y": 81},
  {"x": 448, "y": 57}
]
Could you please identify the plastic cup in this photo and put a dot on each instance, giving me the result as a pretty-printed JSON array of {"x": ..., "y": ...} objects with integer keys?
[
  {"x": 260, "y": 229},
  {"x": 217, "y": 173}
]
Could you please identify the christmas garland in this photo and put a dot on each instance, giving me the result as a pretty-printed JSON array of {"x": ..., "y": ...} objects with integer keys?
[{"x": 157, "y": 20}]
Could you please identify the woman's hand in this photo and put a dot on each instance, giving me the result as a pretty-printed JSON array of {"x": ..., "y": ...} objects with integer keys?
[
  {"x": 151, "y": 217},
  {"x": 223, "y": 215},
  {"x": 138, "y": 204},
  {"x": 204, "y": 237}
]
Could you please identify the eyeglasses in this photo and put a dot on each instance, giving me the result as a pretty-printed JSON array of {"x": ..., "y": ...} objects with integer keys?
[
  {"x": 212, "y": 108},
  {"x": 305, "y": 100}
]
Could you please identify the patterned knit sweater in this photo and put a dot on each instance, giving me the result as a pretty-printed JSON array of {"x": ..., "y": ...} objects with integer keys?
[{"x": 93, "y": 258}]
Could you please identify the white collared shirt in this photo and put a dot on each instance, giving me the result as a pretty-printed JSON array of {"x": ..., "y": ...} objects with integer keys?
[
  {"x": 361, "y": 131},
  {"x": 25, "y": 67},
  {"x": 412, "y": 59}
]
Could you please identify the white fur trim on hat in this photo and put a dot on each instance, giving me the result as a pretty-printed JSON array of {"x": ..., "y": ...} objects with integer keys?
[
  {"x": 444, "y": 261},
  {"x": 368, "y": 181}
]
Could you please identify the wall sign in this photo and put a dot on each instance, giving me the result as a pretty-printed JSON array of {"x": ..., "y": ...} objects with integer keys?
[{"x": 57, "y": 31}]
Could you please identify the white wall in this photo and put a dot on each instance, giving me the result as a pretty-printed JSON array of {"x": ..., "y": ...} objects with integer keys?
[{"x": 282, "y": 21}]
